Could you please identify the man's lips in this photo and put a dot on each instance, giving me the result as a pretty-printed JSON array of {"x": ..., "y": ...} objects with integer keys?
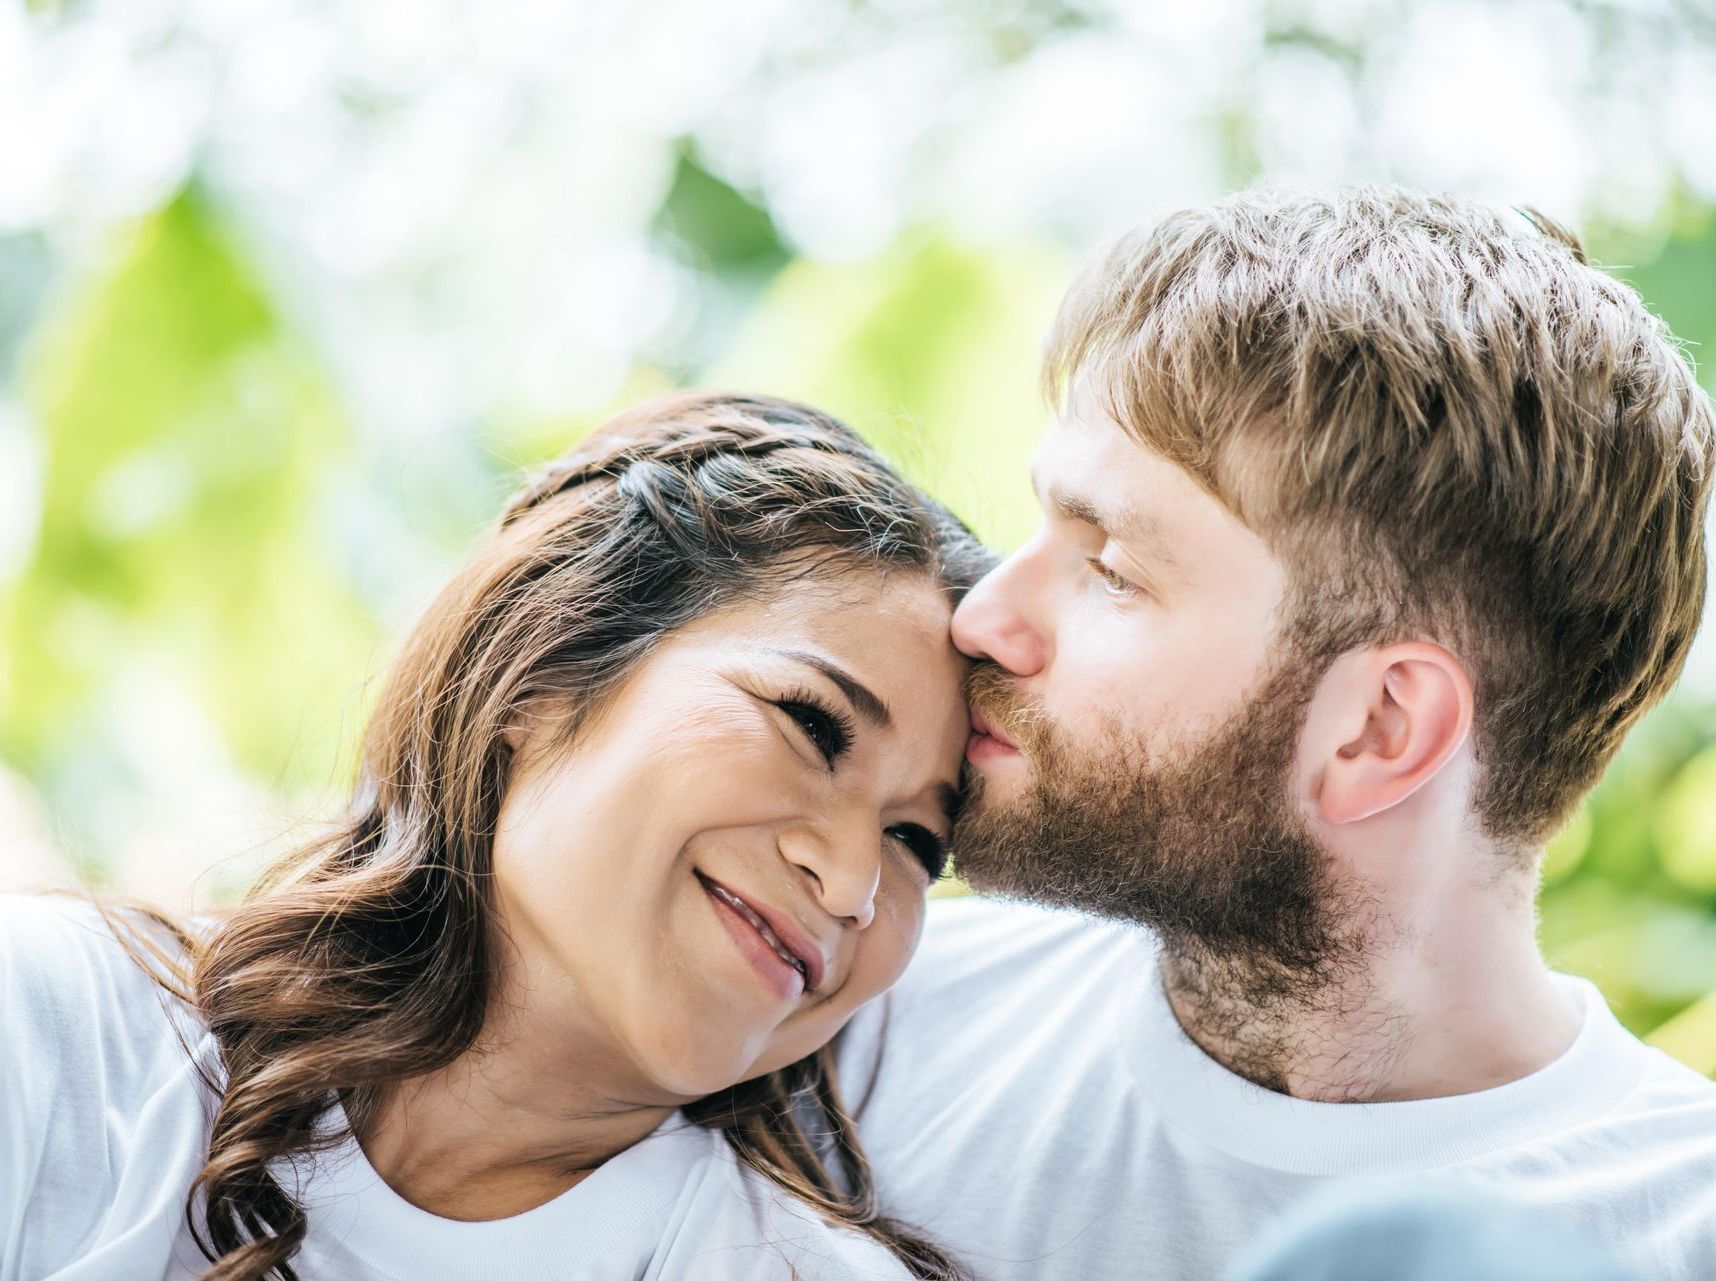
[
  {"x": 982, "y": 726},
  {"x": 775, "y": 928}
]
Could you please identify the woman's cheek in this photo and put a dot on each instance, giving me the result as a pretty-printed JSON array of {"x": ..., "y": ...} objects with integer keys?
[
  {"x": 731, "y": 733},
  {"x": 892, "y": 938}
]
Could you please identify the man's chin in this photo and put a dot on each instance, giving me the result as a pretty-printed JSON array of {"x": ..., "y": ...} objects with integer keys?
[
  {"x": 997, "y": 831},
  {"x": 997, "y": 797}
]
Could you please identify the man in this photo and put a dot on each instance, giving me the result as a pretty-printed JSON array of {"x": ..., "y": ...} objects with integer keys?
[{"x": 1371, "y": 523}]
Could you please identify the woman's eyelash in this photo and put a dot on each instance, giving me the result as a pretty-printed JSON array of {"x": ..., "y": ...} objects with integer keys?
[
  {"x": 828, "y": 728},
  {"x": 830, "y": 731},
  {"x": 928, "y": 848}
]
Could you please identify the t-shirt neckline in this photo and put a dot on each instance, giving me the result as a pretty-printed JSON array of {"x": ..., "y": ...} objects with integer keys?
[
  {"x": 620, "y": 1209},
  {"x": 1200, "y": 1097}
]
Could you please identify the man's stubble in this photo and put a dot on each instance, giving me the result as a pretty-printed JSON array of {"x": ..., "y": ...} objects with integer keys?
[{"x": 1200, "y": 843}]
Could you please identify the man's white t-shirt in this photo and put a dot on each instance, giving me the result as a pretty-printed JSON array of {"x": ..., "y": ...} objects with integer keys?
[
  {"x": 104, "y": 1124},
  {"x": 1028, "y": 1099}
]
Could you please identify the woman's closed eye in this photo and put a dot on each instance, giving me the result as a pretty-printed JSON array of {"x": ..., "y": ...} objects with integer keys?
[
  {"x": 828, "y": 729},
  {"x": 928, "y": 848}
]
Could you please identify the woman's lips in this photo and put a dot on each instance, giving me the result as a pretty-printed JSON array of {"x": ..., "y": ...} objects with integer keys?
[
  {"x": 767, "y": 939},
  {"x": 986, "y": 741}
]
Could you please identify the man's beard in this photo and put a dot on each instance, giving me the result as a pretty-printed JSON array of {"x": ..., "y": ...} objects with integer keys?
[{"x": 1201, "y": 843}]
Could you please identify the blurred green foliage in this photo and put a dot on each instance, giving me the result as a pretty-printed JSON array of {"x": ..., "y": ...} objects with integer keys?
[
  {"x": 194, "y": 451},
  {"x": 186, "y": 436}
]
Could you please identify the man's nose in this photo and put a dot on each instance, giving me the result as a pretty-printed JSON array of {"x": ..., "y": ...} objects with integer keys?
[{"x": 995, "y": 621}]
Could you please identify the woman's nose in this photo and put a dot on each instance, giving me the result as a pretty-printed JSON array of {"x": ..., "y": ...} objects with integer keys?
[
  {"x": 843, "y": 862},
  {"x": 994, "y": 620}
]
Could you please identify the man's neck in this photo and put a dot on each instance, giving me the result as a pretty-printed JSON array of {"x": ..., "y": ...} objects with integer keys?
[{"x": 1437, "y": 1005}]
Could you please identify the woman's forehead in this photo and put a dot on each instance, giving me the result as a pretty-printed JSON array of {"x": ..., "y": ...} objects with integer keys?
[{"x": 867, "y": 615}]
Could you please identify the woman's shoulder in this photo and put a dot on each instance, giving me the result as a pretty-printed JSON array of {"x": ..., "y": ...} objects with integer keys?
[
  {"x": 101, "y": 1110},
  {"x": 51, "y": 938},
  {"x": 73, "y": 995}
]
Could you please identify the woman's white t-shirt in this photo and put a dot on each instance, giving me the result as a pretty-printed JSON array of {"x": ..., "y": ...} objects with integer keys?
[{"x": 104, "y": 1123}]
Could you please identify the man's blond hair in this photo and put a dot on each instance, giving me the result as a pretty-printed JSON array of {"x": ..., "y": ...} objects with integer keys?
[{"x": 1448, "y": 425}]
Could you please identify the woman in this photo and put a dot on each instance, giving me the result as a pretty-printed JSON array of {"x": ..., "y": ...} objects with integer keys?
[{"x": 648, "y": 807}]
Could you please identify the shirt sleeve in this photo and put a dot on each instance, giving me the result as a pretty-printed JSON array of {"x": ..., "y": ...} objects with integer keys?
[{"x": 85, "y": 1037}]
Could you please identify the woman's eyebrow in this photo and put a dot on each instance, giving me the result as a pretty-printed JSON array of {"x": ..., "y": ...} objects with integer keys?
[{"x": 863, "y": 700}]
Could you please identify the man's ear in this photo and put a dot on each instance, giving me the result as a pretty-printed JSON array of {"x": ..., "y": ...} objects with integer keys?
[{"x": 1391, "y": 718}]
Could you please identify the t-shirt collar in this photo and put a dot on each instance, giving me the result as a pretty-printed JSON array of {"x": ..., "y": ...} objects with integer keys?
[
  {"x": 618, "y": 1211},
  {"x": 1200, "y": 1097}
]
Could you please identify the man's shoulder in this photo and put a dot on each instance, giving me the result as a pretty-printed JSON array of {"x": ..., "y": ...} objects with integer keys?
[
  {"x": 994, "y": 981},
  {"x": 1674, "y": 1098},
  {"x": 1005, "y": 1007},
  {"x": 974, "y": 939},
  {"x": 981, "y": 912},
  {"x": 951, "y": 924},
  {"x": 743, "y": 1225}
]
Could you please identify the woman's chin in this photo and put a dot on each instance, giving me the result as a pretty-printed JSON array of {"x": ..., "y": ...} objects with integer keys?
[{"x": 692, "y": 1063}]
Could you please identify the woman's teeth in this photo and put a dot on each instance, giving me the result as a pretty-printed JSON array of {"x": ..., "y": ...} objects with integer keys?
[{"x": 762, "y": 928}]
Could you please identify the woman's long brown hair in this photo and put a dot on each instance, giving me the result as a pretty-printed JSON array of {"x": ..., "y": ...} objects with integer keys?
[{"x": 367, "y": 957}]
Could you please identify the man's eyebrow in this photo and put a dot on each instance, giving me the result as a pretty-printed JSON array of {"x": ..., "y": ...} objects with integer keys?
[
  {"x": 1126, "y": 523},
  {"x": 857, "y": 693},
  {"x": 1074, "y": 507}
]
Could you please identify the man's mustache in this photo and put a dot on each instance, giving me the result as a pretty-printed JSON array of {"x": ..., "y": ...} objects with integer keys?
[{"x": 994, "y": 692}]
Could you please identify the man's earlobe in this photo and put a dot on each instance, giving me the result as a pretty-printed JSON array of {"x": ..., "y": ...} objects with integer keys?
[{"x": 1410, "y": 711}]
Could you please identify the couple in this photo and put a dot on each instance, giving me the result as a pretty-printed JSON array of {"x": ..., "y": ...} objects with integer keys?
[{"x": 1371, "y": 523}]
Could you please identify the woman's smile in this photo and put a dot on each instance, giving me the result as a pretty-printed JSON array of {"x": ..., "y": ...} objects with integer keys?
[
  {"x": 777, "y": 949},
  {"x": 783, "y": 765}
]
